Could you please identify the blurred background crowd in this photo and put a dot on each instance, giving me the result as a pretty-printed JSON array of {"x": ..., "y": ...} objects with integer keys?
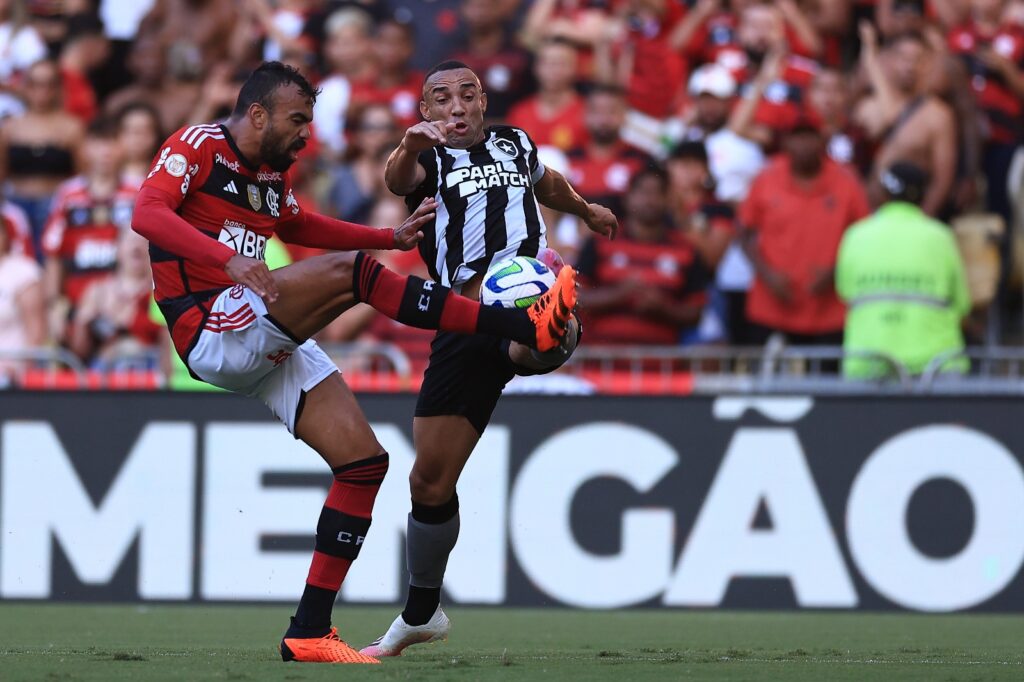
[{"x": 736, "y": 140}]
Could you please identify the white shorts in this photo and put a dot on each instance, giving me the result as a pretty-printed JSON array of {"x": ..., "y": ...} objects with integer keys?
[{"x": 241, "y": 349}]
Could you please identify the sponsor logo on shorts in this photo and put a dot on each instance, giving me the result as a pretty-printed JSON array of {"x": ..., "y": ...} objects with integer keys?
[{"x": 236, "y": 291}]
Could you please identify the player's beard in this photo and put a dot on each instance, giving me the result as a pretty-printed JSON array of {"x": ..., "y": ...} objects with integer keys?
[{"x": 276, "y": 153}]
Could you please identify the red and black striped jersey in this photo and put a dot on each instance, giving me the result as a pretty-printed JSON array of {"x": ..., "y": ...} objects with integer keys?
[
  {"x": 221, "y": 195},
  {"x": 83, "y": 231},
  {"x": 218, "y": 192}
]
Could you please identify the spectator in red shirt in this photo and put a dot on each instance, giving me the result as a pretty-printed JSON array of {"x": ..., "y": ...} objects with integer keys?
[
  {"x": 793, "y": 220},
  {"x": 710, "y": 29},
  {"x": 554, "y": 116},
  {"x": 708, "y": 223},
  {"x": 601, "y": 169},
  {"x": 488, "y": 50},
  {"x": 993, "y": 52},
  {"x": 641, "y": 60},
  {"x": 647, "y": 286},
  {"x": 112, "y": 317},
  {"x": 395, "y": 84},
  {"x": 830, "y": 105},
  {"x": 582, "y": 22},
  {"x": 89, "y": 213},
  {"x": 774, "y": 81},
  {"x": 85, "y": 49}
]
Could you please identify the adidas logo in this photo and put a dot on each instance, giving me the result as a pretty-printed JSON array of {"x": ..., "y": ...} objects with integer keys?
[{"x": 230, "y": 187}]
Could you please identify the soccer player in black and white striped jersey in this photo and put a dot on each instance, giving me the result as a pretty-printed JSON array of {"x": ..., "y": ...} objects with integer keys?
[{"x": 487, "y": 182}]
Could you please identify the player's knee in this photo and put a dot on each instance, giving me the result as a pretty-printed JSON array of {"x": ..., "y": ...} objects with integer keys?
[
  {"x": 340, "y": 267},
  {"x": 431, "y": 488}
]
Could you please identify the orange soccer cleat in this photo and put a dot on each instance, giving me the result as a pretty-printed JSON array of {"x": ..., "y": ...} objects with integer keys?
[
  {"x": 327, "y": 649},
  {"x": 551, "y": 312}
]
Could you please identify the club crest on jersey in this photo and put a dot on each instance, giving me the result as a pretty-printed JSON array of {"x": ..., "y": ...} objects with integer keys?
[
  {"x": 254, "y": 197},
  {"x": 506, "y": 147},
  {"x": 273, "y": 202}
]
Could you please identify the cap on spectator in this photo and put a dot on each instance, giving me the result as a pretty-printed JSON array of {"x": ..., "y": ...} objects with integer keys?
[
  {"x": 712, "y": 79},
  {"x": 804, "y": 124},
  {"x": 904, "y": 181}
]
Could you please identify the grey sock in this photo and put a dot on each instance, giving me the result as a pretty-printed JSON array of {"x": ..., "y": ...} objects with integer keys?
[{"x": 427, "y": 546}]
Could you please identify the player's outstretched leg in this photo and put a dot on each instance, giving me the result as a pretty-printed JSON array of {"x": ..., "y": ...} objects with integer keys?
[{"x": 420, "y": 303}]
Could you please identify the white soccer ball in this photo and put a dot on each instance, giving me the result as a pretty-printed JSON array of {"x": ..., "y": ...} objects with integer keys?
[{"x": 516, "y": 283}]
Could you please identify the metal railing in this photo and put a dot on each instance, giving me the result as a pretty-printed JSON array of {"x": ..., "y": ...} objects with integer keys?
[
  {"x": 772, "y": 368},
  {"x": 51, "y": 360}
]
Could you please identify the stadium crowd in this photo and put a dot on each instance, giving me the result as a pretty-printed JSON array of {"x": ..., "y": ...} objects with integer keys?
[{"x": 736, "y": 140}]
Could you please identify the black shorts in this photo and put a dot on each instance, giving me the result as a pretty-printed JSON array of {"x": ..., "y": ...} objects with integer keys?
[{"x": 465, "y": 377}]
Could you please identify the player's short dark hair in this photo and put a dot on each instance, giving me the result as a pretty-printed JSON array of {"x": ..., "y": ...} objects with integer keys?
[
  {"x": 447, "y": 65},
  {"x": 646, "y": 172},
  {"x": 262, "y": 83}
]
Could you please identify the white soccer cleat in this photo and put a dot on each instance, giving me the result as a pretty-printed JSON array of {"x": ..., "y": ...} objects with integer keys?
[{"x": 401, "y": 634}]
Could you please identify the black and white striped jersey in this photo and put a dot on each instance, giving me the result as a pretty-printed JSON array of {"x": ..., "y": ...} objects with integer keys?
[{"x": 487, "y": 210}]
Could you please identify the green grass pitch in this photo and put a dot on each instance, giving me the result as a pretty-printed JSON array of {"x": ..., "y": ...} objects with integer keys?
[{"x": 86, "y": 642}]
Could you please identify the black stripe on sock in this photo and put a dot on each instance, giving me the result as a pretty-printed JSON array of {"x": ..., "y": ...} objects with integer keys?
[
  {"x": 425, "y": 513},
  {"x": 359, "y": 463}
]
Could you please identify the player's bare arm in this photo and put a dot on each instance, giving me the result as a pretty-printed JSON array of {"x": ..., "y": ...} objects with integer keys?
[
  {"x": 403, "y": 174},
  {"x": 554, "y": 191}
]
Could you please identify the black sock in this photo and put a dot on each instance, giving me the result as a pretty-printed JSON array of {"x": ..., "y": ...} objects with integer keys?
[
  {"x": 421, "y": 604},
  {"x": 313, "y": 615}
]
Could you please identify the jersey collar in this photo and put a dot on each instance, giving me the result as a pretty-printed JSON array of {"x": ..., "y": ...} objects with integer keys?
[{"x": 238, "y": 152}]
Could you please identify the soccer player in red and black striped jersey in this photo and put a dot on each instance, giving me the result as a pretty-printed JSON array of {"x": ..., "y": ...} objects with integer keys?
[{"x": 215, "y": 194}]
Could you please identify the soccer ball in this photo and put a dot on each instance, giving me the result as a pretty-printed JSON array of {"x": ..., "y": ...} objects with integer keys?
[{"x": 516, "y": 283}]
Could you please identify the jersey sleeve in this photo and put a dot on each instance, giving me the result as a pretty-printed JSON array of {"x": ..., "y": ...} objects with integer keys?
[
  {"x": 533, "y": 159},
  {"x": 182, "y": 164}
]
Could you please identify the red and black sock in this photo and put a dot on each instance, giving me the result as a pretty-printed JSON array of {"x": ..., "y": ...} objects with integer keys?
[
  {"x": 344, "y": 522},
  {"x": 428, "y": 305}
]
